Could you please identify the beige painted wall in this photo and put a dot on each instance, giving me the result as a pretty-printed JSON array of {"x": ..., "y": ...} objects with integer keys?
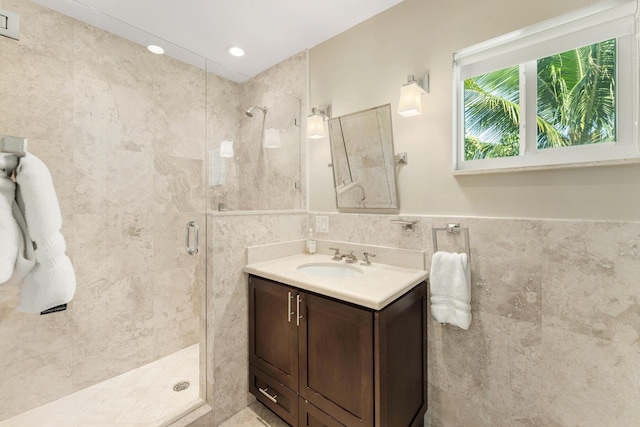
[{"x": 365, "y": 66}]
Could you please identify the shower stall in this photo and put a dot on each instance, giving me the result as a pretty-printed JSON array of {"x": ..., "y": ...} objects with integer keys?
[{"x": 132, "y": 141}]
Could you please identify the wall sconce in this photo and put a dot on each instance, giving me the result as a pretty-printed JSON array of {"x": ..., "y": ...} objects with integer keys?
[
  {"x": 226, "y": 148},
  {"x": 315, "y": 122},
  {"x": 271, "y": 138},
  {"x": 410, "y": 103}
]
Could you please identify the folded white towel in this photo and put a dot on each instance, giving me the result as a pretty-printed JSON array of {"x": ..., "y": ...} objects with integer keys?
[
  {"x": 26, "y": 256},
  {"x": 52, "y": 281},
  {"x": 450, "y": 284},
  {"x": 9, "y": 231},
  {"x": 7, "y": 164}
]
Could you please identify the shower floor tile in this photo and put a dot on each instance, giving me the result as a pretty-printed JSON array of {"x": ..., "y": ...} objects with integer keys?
[{"x": 143, "y": 397}]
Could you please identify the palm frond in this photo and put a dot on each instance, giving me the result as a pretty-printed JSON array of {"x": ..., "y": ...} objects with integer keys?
[{"x": 576, "y": 103}]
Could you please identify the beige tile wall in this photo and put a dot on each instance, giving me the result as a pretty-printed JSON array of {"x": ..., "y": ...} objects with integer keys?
[
  {"x": 264, "y": 181},
  {"x": 122, "y": 132},
  {"x": 554, "y": 339},
  {"x": 228, "y": 301},
  {"x": 257, "y": 178}
]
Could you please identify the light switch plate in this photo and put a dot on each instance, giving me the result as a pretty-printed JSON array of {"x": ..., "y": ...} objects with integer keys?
[
  {"x": 9, "y": 24},
  {"x": 322, "y": 224}
]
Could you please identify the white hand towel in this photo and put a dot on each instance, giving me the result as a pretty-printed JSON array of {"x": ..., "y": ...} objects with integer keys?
[
  {"x": 9, "y": 231},
  {"x": 450, "y": 284},
  {"x": 26, "y": 255},
  {"x": 52, "y": 281}
]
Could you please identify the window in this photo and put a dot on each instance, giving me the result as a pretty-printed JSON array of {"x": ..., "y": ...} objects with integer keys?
[{"x": 559, "y": 92}]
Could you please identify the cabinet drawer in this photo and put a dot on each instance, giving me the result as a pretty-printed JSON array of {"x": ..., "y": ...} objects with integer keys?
[
  {"x": 310, "y": 416},
  {"x": 274, "y": 395}
]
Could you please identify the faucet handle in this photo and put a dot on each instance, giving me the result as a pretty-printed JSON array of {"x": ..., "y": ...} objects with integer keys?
[
  {"x": 336, "y": 255},
  {"x": 366, "y": 258}
]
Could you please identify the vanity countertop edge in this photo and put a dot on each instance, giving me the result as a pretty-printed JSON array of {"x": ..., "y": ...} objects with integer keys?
[{"x": 377, "y": 287}]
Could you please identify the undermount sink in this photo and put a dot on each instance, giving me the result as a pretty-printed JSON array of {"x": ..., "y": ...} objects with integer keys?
[{"x": 325, "y": 269}]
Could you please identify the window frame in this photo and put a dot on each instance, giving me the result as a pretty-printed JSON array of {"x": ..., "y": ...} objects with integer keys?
[{"x": 593, "y": 24}]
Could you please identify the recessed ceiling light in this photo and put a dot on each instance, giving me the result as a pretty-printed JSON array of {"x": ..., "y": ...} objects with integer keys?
[
  {"x": 236, "y": 51},
  {"x": 155, "y": 49}
]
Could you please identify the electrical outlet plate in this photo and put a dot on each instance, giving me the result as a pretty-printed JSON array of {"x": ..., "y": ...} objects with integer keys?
[{"x": 322, "y": 224}]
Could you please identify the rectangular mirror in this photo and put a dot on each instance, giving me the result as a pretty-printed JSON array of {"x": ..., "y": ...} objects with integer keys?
[{"x": 363, "y": 159}]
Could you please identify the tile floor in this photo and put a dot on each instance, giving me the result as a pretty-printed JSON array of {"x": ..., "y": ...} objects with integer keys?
[
  {"x": 143, "y": 397},
  {"x": 255, "y": 415}
]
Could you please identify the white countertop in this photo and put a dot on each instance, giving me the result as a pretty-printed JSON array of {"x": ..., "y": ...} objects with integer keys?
[{"x": 379, "y": 285}]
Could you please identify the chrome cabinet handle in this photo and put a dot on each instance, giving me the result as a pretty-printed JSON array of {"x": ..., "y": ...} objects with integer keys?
[
  {"x": 187, "y": 236},
  {"x": 274, "y": 399},
  {"x": 289, "y": 312},
  {"x": 298, "y": 317}
]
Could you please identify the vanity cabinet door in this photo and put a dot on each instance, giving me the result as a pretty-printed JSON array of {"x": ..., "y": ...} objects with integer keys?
[
  {"x": 401, "y": 354},
  {"x": 336, "y": 359},
  {"x": 310, "y": 416},
  {"x": 273, "y": 331}
]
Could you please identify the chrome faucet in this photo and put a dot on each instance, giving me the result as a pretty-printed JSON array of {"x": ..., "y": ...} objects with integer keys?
[
  {"x": 336, "y": 256},
  {"x": 366, "y": 258},
  {"x": 349, "y": 259}
]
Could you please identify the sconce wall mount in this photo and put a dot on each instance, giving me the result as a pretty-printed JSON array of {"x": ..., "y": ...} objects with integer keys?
[{"x": 401, "y": 159}]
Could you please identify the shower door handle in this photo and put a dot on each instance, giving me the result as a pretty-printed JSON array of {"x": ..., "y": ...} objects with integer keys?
[{"x": 187, "y": 235}]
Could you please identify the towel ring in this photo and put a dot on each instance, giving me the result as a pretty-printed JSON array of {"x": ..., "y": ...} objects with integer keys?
[{"x": 452, "y": 229}]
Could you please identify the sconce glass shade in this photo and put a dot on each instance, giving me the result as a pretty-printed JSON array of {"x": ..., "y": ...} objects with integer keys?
[
  {"x": 226, "y": 148},
  {"x": 315, "y": 126},
  {"x": 272, "y": 138},
  {"x": 410, "y": 99}
]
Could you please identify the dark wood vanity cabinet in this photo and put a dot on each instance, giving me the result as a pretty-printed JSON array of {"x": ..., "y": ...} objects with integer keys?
[{"x": 316, "y": 361}]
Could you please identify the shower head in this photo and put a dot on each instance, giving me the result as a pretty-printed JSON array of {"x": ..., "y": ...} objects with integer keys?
[{"x": 250, "y": 111}]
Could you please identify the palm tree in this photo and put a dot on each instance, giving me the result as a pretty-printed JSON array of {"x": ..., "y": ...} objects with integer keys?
[
  {"x": 492, "y": 114},
  {"x": 576, "y": 94},
  {"x": 576, "y": 103}
]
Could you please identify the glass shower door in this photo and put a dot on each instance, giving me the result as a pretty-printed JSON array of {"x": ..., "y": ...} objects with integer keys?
[{"x": 122, "y": 132}]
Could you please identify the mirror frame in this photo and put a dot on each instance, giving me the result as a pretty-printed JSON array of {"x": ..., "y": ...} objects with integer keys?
[{"x": 358, "y": 146}]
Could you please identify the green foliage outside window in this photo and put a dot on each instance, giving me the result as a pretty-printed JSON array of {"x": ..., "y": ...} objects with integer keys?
[{"x": 576, "y": 103}]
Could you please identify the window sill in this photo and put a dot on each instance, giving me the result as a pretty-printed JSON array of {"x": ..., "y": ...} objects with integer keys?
[{"x": 634, "y": 161}]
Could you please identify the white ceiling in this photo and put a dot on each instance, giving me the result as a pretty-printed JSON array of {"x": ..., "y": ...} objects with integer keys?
[{"x": 268, "y": 30}]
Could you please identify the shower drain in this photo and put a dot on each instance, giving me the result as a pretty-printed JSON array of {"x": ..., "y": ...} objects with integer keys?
[{"x": 183, "y": 385}]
